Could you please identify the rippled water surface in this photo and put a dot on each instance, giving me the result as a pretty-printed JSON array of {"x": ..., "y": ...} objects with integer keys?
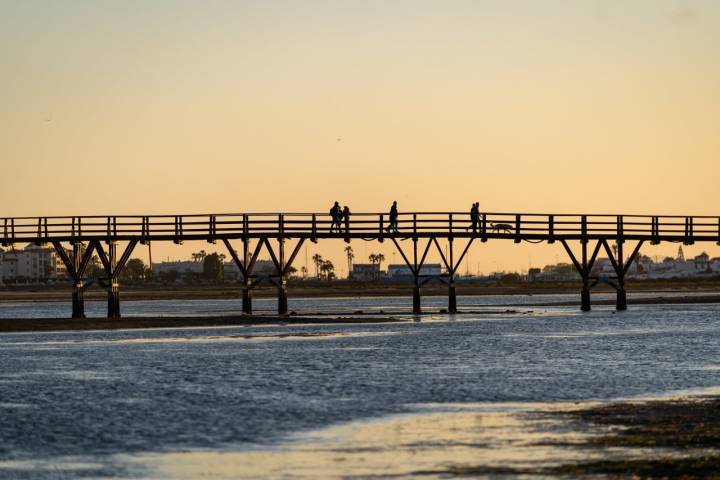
[
  {"x": 180, "y": 308},
  {"x": 124, "y": 404}
]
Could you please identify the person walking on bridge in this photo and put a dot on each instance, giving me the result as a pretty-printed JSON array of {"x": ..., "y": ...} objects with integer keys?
[
  {"x": 335, "y": 214},
  {"x": 475, "y": 216},
  {"x": 393, "y": 225}
]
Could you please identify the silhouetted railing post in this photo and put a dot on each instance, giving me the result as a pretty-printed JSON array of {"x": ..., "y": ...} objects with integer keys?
[
  {"x": 655, "y": 231},
  {"x": 551, "y": 229},
  {"x": 517, "y": 228},
  {"x": 381, "y": 227},
  {"x": 688, "y": 231}
]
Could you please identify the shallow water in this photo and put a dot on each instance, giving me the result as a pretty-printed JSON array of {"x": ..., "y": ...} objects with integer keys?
[
  {"x": 303, "y": 306},
  {"x": 141, "y": 403}
]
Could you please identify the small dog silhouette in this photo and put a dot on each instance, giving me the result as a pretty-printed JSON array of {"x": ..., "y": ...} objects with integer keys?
[{"x": 501, "y": 227}]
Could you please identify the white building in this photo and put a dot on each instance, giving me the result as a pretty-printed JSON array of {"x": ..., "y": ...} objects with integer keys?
[
  {"x": 31, "y": 264},
  {"x": 397, "y": 270},
  {"x": 365, "y": 271},
  {"x": 179, "y": 266},
  {"x": 189, "y": 267}
]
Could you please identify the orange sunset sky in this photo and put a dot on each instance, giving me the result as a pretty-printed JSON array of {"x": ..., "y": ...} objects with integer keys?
[{"x": 136, "y": 107}]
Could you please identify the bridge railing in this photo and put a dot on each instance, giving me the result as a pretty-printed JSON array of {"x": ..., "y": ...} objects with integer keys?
[{"x": 518, "y": 225}]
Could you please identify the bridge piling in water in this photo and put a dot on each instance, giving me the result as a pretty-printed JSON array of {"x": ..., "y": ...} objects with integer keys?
[
  {"x": 113, "y": 267},
  {"x": 583, "y": 266},
  {"x": 76, "y": 270}
]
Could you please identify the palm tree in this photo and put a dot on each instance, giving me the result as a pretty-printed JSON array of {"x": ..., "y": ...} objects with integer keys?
[
  {"x": 350, "y": 256},
  {"x": 327, "y": 268},
  {"x": 318, "y": 260},
  {"x": 304, "y": 271},
  {"x": 376, "y": 258},
  {"x": 380, "y": 258}
]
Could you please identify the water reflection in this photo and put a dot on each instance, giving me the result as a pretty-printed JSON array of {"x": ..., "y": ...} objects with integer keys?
[{"x": 399, "y": 446}]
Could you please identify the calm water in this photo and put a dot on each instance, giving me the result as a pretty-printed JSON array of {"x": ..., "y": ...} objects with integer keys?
[{"x": 89, "y": 404}]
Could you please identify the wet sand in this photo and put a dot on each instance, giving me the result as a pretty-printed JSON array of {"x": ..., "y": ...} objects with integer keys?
[
  {"x": 671, "y": 438},
  {"x": 63, "y": 324}
]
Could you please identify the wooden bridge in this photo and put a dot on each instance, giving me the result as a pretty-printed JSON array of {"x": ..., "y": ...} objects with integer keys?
[{"x": 589, "y": 234}]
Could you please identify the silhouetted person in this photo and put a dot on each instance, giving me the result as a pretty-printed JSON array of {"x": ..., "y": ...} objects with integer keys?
[
  {"x": 475, "y": 216},
  {"x": 393, "y": 225},
  {"x": 335, "y": 214},
  {"x": 346, "y": 216}
]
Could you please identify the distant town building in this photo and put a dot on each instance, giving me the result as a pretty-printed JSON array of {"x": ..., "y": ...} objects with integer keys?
[
  {"x": 401, "y": 270},
  {"x": 177, "y": 266},
  {"x": 533, "y": 274},
  {"x": 365, "y": 271},
  {"x": 262, "y": 267},
  {"x": 643, "y": 268},
  {"x": 31, "y": 264},
  {"x": 562, "y": 272},
  {"x": 185, "y": 268}
]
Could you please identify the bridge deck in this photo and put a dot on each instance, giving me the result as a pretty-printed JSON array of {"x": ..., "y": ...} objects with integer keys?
[{"x": 514, "y": 226}]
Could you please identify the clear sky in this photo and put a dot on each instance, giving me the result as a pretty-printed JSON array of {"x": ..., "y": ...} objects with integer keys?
[{"x": 227, "y": 106}]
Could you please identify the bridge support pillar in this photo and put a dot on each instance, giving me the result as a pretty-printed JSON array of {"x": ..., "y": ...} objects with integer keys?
[
  {"x": 247, "y": 299},
  {"x": 113, "y": 307},
  {"x": 113, "y": 267},
  {"x": 76, "y": 269},
  {"x": 585, "y": 305},
  {"x": 78, "y": 300},
  {"x": 621, "y": 303},
  {"x": 415, "y": 266},
  {"x": 282, "y": 268},
  {"x": 282, "y": 297},
  {"x": 584, "y": 266},
  {"x": 452, "y": 298},
  {"x": 417, "y": 308},
  {"x": 621, "y": 267}
]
